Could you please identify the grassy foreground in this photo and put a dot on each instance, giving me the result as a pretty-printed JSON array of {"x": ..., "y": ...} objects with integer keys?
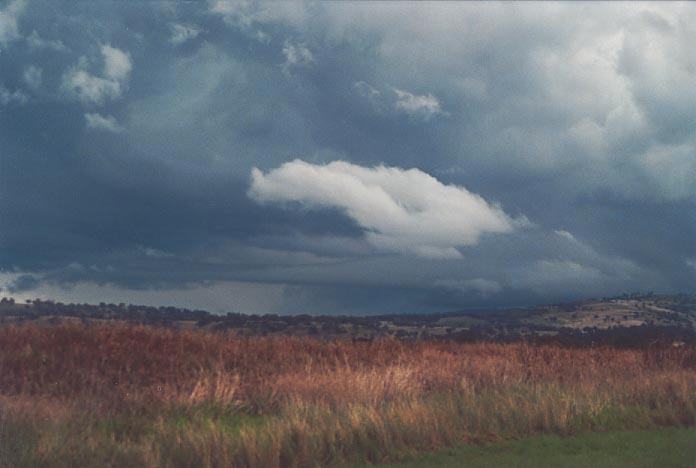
[
  {"x": 666, "y": 448},
  {"x": 122, "y": 395}
]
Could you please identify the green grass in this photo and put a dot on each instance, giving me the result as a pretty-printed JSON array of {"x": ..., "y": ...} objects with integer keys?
[
  {"x": 211, "y": 435},
  {"x": 90, "y": 441},
  {"x": 665, "y": 448}
]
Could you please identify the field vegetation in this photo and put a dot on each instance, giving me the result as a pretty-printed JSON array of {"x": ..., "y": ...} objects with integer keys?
[{"x": 137, "y": 395}]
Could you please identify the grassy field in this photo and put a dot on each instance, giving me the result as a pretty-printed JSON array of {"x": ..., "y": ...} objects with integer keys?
[
  {"x": 124, "y": 395},
  {"x": 665, "y": 448}
]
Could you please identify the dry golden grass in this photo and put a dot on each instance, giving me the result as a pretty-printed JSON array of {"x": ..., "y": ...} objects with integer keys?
[{"x": 147, "y": 396}]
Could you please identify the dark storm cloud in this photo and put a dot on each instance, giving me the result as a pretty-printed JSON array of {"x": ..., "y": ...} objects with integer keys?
[{"x": 128, "y": 132}]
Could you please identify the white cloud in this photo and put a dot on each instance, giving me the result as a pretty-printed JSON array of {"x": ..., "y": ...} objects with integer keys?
[
  {"x": 182, "y": 33},
  {"x": 154, "y": 253},
  {"x": 566, "y": 235},
  {"x": 100, "y": 122},
  {"x": 89, "y": 88},
  {"x": 251, "y": 16},
  {"x": 425, "y": 106},
  {"x": 245, "y": 14},
  {"x": 92, "y": 89},
  {"x": 366, "y": 90},
  {"x": 296, "y": 55},
  {"x": 117, "y": 63},
  {"x": 374, "y": 96},
  {"x": 399, "y": 101},
  {"x": 37, "y": 42},
  {"x": 33, "y": 76},
  {"x": 228, "y": 9},
  {"x": 400, "y": 210},
  {"x": 10, "y": 97},
  {"x": 9, "y": 30}
]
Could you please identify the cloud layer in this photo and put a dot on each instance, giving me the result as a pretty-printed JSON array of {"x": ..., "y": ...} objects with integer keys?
[{"x": 129, "y": 131}]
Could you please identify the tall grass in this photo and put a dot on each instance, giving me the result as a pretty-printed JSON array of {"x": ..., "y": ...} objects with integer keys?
[{"x": 125, "y": 395}]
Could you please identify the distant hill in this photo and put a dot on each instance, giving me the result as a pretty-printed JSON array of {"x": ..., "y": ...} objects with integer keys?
[{"x": 636, "y": 319}]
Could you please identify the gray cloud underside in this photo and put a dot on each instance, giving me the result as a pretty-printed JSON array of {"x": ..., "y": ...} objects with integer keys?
[{"x": 128, "y": 132}]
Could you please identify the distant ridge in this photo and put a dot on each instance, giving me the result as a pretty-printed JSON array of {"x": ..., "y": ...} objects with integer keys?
[{"x": 627, "y": 318}]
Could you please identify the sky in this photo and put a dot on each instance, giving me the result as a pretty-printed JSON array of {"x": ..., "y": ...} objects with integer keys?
[{"x": 346, "y": 158}]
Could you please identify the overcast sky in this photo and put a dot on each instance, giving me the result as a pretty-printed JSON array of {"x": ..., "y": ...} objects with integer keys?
[{"x": 346, "y": 157}]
